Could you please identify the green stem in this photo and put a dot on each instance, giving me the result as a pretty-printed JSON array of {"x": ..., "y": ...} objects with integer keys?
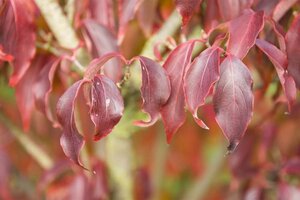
[
  {"x": 37, "y": 153},
  {"x": 201, "y": 186}
]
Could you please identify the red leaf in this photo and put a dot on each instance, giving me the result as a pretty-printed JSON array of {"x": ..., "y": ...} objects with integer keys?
[
  {"x": 173, "y": 113},
  {"x": 43, "y": 86},
  {"x": 243, "y": 32},
  {"x": 71, "y": 141},
  {"x": 293, "y": 50},
  {"x": 211, "y": 16},
  {"x": 103, "y": 41},
  {"x": 146, "y": 15},
  {"x": 230, "y": 9},
  {"x": 186, "y": 8},
  {"x": 24, "y": 92},
  {"x": 281, "y": 8},
  {"x": 155, "y": 89},
  {"x": 4, "y": 56},
  {"x": 127, "y": 9},
  {"x": 18, "y": 39},
  {"x": 107, "y": 105},
  {"x": 102, "y": 12},
  {"x": 233, "y": 100},
  {"x": 201, "y": 76},
  {"x": 279, "y": 60}
]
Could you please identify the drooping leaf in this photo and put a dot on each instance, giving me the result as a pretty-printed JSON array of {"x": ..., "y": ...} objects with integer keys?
[
  {"x": 230, "y": 9},
  {"x": 126, "y": 9},
  {"x": 102, "y": 12},
  {"x": 173, "y": 113},
  {"x": 103, "y": 42},
  {"x": 17, "y": 35},
  {"x": 4, "y": 56},
  {"x": 233, "y": 100},
  {"x": 187, "y": 8},
  {"x": 202, "y": 74},
  {"x": 293, "y": 50},
  {"x": 211, "y": 16},
  {"x": 146, "y": 15},
  {"x": 71, "y": 141},
  {"x": 43, "y": 86},
  {"x": 24, "y": 90},
  {"x": 155, "y": 89},
  {"x": 281, "y": 8},
  {"x": 243, "y": 32},
  {"x": 107, "y": 105},
  {"x": 279, "y": 60}
]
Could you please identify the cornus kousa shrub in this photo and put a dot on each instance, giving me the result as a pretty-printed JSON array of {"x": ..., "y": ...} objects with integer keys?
[{"x": 82, "y": 60}]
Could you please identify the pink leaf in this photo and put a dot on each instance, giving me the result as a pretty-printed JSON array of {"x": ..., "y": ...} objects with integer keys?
[
  {"x": 71, "y": 141},
  {"x": 24, "y": 92},
  {"x": 18, "y": 39},
  {"x": 230, "y": 9},
  {"x": 155, "y": 89},
  {"x": 147, "y": 15},
  {"x": 43, "y": 86},
  {"x": 201, "y": 76},
  {"x": 173, "y": 113},
  {"x": 293, "y": 50},
  {"x": 103, "y": 41},
  {"x": 233, "y": 100},
  {"x": 243, "y": 32},
  {"x": 107, "y": 105},
  {"x": 4, "y": 56},
  {"x": 127, "y": 9},
  {"x": 281, "y": 8},
  {"x": 279, "y": 60},
  {"x": 280, "y": 34},
  {"x": 102, "y": 12},
  {"x": 187, "y": 8},
  {"x": 211, "y": 16}
]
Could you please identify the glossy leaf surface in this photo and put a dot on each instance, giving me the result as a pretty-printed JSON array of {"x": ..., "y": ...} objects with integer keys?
[
  {"x": 71, "y": 141},
  {"x": 202, "y": 74},
  {"x": 107, "y": 105},
  {"x": 243, "y": 32},
  {"x": 293, "y": 50},
  {"x": 279, "y": 60},
  {"x": 233, "y": 100},
  {"x": 155, "y": 89},
  {"x": 173, "y": 113}
]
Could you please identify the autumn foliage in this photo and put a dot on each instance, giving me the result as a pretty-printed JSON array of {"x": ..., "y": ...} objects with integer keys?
[{"x": 90, "y": 79}]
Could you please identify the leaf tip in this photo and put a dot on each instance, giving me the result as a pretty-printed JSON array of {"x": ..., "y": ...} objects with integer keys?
[{"x": 232, "y": 147}]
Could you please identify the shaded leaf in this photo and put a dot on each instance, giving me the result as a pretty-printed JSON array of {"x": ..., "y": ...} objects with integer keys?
[
  {"x": 211, "y": 16},
  {"x": 71, "y": 141},
  {"x": 202, "y": 74},
  {"x": 293, "y": 50},
  {"x": 24, "y": 90},
  {"x": 103, "y": 42},
  {"x": 233, "y": 100},
  {"x": 43, "y": 86},
  {"x": 102, "y": 12},
  {"x": 186, "y": 8},
  {"x": 173, "y": 113},
  {"x": 280, "y": 34},
  {"x": 243, "y": 32},
  {"x": 127, "y": 9},
  {"x": 107, "y": 105},
  {"x": 18, "y": 39},
  {"x": 155, "y": 89},
  {"x": 4, "y": 56},
  {"x": 146, "y": 15},
  {"x": 230, "y": 9},
  {"x": 281, "y": 8},
  {"x": 279, "y": 60}
]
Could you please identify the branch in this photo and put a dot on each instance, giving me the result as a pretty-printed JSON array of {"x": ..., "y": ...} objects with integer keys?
[
  {"x": 58, "y": 23},
  {"x": 31, "y": 147}
]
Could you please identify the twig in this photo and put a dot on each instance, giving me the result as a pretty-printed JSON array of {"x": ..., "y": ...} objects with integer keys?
[{"x": 40, "y": 156}]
